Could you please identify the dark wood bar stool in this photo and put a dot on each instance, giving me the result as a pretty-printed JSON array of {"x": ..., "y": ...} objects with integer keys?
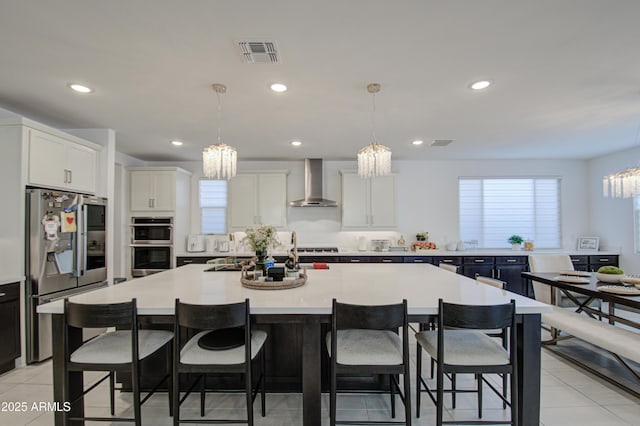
[
  {"x": 116, "y": 351},
  {"x": 223, "y": 343},
  {"x": 459, "y": 345},
  {"x": 365, "y": 340}
]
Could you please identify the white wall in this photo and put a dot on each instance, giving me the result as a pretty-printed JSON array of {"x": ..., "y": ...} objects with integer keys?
[
  {"x": 612, "y": 218},
  {"x": 427, "y": 197}
]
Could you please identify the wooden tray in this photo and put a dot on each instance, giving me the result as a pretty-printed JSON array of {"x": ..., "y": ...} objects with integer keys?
[{"x": 247, "y": 281}]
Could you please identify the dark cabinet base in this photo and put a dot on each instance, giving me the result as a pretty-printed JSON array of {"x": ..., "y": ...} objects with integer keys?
[{"x": 9, "y": 325}]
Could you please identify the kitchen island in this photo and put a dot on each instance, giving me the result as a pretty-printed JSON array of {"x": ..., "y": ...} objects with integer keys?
[{"x": 309, "y": 306}]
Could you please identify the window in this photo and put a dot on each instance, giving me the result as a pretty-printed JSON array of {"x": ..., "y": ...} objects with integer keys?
[
  {"x": 213, "y": 206},
  {"x": 493, "y": 209}
]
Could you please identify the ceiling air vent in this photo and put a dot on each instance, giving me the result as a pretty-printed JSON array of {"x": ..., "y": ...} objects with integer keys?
[
  {"x": 259, "y": 51},
  {"x": 441, "y": 142}
]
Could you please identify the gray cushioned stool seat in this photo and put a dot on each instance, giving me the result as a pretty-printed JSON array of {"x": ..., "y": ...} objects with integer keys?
[
  {"x": 191, "y": 353},
  {"x": 115, "y": 347},
  {"x": 367, "y": 347},
  {"x": 464, "y": 347}
]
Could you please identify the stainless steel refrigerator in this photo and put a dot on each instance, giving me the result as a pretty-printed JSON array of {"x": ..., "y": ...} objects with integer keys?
[{"x": 65, "y": 255}]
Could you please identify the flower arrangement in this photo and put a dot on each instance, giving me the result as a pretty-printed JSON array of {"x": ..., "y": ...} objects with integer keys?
[
  {"x": 261, "y": 238},
  {"x": 423, "y": 245},
  {"x": 422, "y": 236}
]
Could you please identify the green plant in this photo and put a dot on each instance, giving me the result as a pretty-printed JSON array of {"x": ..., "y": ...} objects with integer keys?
[
  {"x": 515, "y": 239},
  {"x": 613, "y": 270},
  {"x": 261, "y": 238}
]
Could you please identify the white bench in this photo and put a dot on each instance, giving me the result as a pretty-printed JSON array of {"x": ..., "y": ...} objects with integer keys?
[{"x": 618, "y": 341}]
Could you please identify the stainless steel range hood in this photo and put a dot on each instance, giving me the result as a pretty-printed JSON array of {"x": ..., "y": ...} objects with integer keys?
[{"x": 313, "y": 186}]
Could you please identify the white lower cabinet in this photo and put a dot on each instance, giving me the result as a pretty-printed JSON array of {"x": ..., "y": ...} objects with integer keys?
[
  {"x": 63, "y": 163},
  {"x": 368, "y": 203},
  {"x": 256, "y": 199}
]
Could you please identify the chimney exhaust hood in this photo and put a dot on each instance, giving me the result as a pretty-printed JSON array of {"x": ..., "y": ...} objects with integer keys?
[{"x": 313, "y": 186}]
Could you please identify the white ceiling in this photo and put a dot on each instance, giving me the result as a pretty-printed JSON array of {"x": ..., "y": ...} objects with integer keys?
[{"x": 567, "y": 75}]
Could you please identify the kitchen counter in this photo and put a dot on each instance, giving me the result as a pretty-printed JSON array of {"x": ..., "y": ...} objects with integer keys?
[
  {"x": 10, "y": 280},
  {"x": 437, "y": 252}
]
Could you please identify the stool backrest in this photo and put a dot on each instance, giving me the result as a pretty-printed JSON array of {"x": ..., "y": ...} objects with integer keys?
[
  {"x": 491, "y": 281},
  {"x": 379, "y": 317},
  {"x": 212, "y": 317},
  {"x": 547, "y": 263},
  {"x": 82, "y": 315},
  {"x": 448, "y": 267},
  {"x": 476, "y": 316}
]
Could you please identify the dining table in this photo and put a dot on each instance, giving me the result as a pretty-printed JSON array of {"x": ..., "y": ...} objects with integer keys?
[{"x": 309, "y": 307}]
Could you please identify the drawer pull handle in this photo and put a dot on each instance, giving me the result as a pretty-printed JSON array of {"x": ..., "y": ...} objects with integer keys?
[
  {"x": 605, "y": 259},
  {"x": 3, "y": 294},
  {"x": 387, "y": 260},
  {"x": 355, "y": 260},
  {"x": 479, "y": 260},
  {"x": 187, "y": 261},
  {"x": 418, "y": 261},
  {"x": 511, "y": 260},
  {"x": 447, "y": 260}
]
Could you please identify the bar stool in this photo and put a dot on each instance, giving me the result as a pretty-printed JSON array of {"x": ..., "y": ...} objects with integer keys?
[
  {"x": 464, "y": 348},
  {"x": 232, "y": 350},
  {"x": 367, "y": 342},
  {"x": 115, "y": 351}
]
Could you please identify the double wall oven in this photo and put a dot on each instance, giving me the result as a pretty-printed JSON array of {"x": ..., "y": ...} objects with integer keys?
[{"x": 151, "y": 245}]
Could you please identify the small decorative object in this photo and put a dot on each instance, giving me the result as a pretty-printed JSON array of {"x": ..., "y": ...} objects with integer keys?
[
  {"x": 528, "y": 245},
  {"x": 423, "y": 245},
  {"x": 260, "y": 239},
  {"x": 401, "y": 241},
  {"x": 422, "y": 236},
  {"x": 588, "y": 243},
  {"x": 515, "y": 241},
  {"x": 609, "y": 274}
]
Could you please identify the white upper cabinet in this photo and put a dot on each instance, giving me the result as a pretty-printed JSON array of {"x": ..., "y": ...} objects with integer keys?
[
  {"x": 258, "y": 198},
  {"x": 155, "y": 189},
  {"x": 368, "y": 203},
  {"x": 62, "y": 163}
]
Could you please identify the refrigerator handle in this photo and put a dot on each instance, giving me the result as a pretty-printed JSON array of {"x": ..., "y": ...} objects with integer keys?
[{"x": 81, "y": 240}]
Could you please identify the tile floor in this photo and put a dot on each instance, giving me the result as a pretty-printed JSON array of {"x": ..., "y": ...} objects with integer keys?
[{"x": 570, "y": 396}]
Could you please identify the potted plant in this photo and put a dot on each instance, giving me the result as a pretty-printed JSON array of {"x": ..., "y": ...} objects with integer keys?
[
  {"x": 260, "y": 239},
  {"x": 515, "y": 241}
]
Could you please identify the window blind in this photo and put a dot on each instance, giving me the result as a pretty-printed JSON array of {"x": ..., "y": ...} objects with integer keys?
[
  {"x": 493, "y": 209},
  {"x": 213, "y": 206}
]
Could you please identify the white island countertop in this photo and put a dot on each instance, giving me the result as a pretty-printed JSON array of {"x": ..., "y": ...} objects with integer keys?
[
  {"x": 367, "y": 284},
  {"x": 436, "y": 252}
]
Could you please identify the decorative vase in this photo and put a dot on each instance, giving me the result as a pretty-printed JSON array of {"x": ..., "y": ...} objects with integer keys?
[
  {"x": 515, "y": 247},
  {"x": 260, "y": 263}
]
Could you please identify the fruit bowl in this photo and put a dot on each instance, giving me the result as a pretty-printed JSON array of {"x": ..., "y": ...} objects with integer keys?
[{"x": 609, "y": 278}]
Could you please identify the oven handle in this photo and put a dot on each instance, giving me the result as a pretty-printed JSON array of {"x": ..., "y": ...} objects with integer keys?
[
  {"x": 166, "y": 225},
  {"x": 151, "y": 245}
]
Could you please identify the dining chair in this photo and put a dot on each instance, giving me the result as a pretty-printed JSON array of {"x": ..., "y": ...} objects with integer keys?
[
  {"x": 460, "y": 346},
  {"x": 364, "y": 339},
  {"x": 554, "y": 263},
  {"x": 114, "y": 351},
  {"x": 448, "y": 267},
  {"x": 222, "y": 342}
]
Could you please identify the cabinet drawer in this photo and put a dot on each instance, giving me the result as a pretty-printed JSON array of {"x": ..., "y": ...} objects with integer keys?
[
  {"x": 181, "y": 261},
  {"x": 456, "y": 260},
  {"x": 319, "y": 259},
  {"x": 355, "y": 259},
  {"x": 387, "y": 259},
  {"x": 607, "y": 260},
  {"x": 418, "y": 259},
  {"x": 511, "y": 260},
  {"x": 9, "y": 292},
  {"x": 580, "y": 260},
  {"x": 478, "y": 260}
]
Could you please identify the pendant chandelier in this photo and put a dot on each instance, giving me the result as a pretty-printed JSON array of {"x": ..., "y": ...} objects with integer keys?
[
  {"x": 374, "y": 159},
  {"x": 623, "y": 184},
  {"x": 219, "y": 160}
]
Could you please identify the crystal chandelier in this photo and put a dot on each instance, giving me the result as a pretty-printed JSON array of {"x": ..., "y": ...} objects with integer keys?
[
  {"x": 374, "y": 159},
  {"x": 219, "y": 160},
  {"x": 623, "y": 184}
]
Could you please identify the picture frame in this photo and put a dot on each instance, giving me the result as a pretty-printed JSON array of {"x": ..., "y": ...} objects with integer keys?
[{"x": 588, "y": 243}]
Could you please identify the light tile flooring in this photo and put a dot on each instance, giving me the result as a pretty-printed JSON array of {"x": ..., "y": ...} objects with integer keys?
[{"x": 570, "y": 396}]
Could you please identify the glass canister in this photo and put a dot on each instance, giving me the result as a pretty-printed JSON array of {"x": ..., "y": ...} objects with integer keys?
[{"x": 528, "y": 245}]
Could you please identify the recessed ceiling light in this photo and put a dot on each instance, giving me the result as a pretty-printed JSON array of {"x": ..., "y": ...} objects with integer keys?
[
  {"x": 417, "y": 142},
  {"x": 176, "y": 143},
  {"x": 479, "y": 85},
  {"x": 296, "y": 143},
  {"x": 278, "y": 87},
  {"x": 80, "y": 88}
]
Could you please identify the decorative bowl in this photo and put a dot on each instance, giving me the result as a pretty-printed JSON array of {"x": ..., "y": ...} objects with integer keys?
[{"x": 609, "y": 278}]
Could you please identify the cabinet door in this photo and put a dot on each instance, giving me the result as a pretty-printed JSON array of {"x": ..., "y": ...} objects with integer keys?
[
  {"x": 243, "y": 192},
  {"x": 472, "y": 271},
  {"x": 164, "y": 191},
  {"x": 81, "y": 163},
  {"x": 355, "y": 201},
  {"x": 383, "y": 202},
  {"x": 272, "y": 200},
  {"x": 47, "y": 160},
  {"x": 511, "y": 274},
  {"x": 141, "y": 191}
]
